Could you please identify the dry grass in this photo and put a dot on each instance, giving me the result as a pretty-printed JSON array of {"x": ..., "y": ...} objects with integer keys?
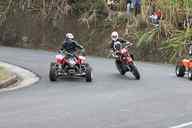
[{"x": 3, "y": 74}]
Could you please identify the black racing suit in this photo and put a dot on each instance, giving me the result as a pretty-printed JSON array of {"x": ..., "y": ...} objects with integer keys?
[
  {"x": 120, "y": 40},
  {"x": 71, "y": 46}
]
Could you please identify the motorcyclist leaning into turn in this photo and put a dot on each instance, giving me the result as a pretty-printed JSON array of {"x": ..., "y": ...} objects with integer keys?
[
  {"x": 115, "y": 40},
  {"x": 70, "y": 45},
  {"x": 117, "y": 43}
]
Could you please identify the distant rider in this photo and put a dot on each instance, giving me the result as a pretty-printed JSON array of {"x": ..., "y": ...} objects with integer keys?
[{"x": 70, "y": 45}]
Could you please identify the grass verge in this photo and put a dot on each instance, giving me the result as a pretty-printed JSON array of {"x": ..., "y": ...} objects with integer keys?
[{"x": 4, "y": 74}]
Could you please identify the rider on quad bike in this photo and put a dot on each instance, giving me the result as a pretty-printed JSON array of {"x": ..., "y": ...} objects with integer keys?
[
  {"x": 184, "y": 66},
  {"x": 69, "y": 62},
  {"x": 70, "y": 45}
]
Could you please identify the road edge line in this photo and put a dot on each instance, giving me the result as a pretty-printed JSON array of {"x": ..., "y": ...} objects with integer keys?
[{"x": 182, "y": 125}]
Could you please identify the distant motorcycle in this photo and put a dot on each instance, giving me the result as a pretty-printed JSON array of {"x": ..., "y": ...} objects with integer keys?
[
  {"x": 70, "y": 65},
  {"x": 124, "y": 61}
]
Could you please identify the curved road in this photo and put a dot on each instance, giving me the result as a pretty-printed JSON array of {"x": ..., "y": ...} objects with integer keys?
[{"x": 158, "y": 100}]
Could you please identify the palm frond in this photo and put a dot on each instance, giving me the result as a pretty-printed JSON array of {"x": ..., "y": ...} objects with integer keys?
[{"x": 147, "y": 38}]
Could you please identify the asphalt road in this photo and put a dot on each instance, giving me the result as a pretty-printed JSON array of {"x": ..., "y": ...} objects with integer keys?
[{"x": 158, "y": 100}]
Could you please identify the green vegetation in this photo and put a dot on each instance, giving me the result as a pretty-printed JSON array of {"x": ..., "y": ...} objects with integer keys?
[
  {"x": 168, "y": 39},
  {"x": 172, "y": 34},
  {"x": 41, "y": 24},
  {"x": 3, "y": 74}
]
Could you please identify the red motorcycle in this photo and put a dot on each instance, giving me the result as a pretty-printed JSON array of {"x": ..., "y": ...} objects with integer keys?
[
  {"x": 70, "y": 65},
  {"x": 124, "y": 61}
]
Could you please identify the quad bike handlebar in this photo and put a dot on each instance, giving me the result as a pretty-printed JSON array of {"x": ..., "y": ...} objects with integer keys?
[
  {"x": 64, "y": 52},
  {"x": 68, "y": 53}
]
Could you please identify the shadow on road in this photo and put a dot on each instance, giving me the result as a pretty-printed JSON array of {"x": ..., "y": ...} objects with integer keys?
[{"x": 127, "y": 76}]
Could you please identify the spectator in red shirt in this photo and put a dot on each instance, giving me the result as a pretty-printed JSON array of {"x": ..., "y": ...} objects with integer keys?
[
  {"x": 158, "y": 14},
  {"x": 154, "y": 19}
]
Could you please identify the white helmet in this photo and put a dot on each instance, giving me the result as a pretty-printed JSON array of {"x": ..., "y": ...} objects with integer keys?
[
  {"x": 114, "y": 36},
  {"x": 69, "y": 36}
]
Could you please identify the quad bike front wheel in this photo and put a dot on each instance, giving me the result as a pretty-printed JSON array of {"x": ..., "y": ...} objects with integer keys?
[
  {"x": 52, "y": 73},
  {"x": 190, "y": 74},
  {"x": 180, "y": 71},
  {"x": 89, "y": 76},
  {"x": 135, "y": 71}
]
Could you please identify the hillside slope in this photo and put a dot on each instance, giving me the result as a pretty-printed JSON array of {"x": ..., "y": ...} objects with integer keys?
[{"x": 42, "y": 24}]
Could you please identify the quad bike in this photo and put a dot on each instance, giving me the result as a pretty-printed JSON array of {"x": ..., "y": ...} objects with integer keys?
[
  {"x": 124, "y": 61},
  {"x": 184, "y": 66},
  {"x": 70, "y": 65}
]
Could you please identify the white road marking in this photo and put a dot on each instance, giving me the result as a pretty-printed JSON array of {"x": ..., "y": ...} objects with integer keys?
[
  {"x": 124, "y": 110},
  {"x": 182, "y": 125}
]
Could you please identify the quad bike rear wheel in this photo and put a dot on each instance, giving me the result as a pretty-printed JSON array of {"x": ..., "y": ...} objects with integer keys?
[
  {"x": 180, "y": 71},
  {"x": 89, "y": 76},
  {"x": 135, "y": 71},
  {"x": 190, "y": 74},
  {"x": 52, "y": 73}
]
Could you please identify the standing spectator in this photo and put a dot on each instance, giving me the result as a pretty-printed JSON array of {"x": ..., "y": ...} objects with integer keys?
[
  {"x": 190, "y": 51},
  {"x": 189, "y": 46},
  {"x": 152, "y": 7},
  {"x": 188, "y": 22},
  {"x": 110, "y": 4},
  {"x": 156, "y": 17},
  {"x": 159, "y": 14},
  {"x": 129, "y": 4},
  {"x": 137, "y": 7}
]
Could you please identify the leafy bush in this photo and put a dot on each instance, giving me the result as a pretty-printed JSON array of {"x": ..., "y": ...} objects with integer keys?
[
  {"x": 88, "y": 6},
  {"x": 174, "y": 46}
]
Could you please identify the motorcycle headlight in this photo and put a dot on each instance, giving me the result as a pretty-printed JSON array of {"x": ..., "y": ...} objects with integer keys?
[
  {"x": 82, "y": 58},
  {"x": 72, "y": 62},
  {"x": 123, "y": 51}
]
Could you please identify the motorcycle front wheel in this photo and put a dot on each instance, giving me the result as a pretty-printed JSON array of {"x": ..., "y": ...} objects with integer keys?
[
  {"x": 120, "y": 67},
  {"x": 135, "y": 71}
]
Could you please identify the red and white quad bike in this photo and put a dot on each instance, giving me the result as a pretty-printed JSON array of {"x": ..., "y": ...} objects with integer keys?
[{"x": 70, "y": 65}]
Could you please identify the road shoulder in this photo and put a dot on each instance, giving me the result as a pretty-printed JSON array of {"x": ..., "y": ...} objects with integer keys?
[{"x": 20, "y": 78}]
